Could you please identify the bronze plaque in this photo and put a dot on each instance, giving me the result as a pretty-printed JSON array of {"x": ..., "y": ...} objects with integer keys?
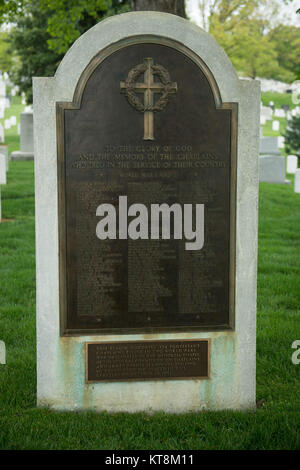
[
  {"x": 147, "y": 124},
  {"x": 147, "y": 360}
]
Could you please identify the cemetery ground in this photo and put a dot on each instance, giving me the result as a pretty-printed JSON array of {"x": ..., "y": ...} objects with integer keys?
[{"x": 274, "y": 425}]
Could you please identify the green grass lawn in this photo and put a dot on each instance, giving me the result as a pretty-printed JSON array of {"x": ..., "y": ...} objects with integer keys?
[{"x": 273, "y": 426}]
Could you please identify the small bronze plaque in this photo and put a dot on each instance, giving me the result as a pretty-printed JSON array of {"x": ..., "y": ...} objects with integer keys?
[{"x": 147, "y": 360}]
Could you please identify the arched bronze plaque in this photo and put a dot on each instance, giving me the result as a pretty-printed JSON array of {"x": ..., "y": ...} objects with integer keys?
[{"x": 146, "y": 122}]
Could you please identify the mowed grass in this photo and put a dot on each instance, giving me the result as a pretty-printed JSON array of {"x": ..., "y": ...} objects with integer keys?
[{"x": 275, "y": 425}]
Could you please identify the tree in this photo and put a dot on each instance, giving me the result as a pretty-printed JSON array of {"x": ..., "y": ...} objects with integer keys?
[
  {"x": 240, "y": 30},
  {"x": 6, "y": 58},
  {"x": 286, "y": 40},
  {"x": 250, "y": 50},
  {"x": 292, "y": 136},
  {"x": 167, "y": 6},
  {"x": 29, "y": 41},
  {"x": 68, "y": 20},
  {"x": 45, "y": 29},
  {"x": 9, "y": 9},
  {"x": 244, "y": 30},
  {"x": 227, "y": 12}
]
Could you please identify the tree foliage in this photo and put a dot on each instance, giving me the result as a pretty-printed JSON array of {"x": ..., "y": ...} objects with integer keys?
[
  {"x": 255, "y": 49},
  {"x": 68, "y": 19},
  {"x": 9, "y": 9},
  {"x": 286, "y": 42},
  {"x": 6, "y": 58},
  {"x": 292, "y": 136},
  {"x": 250, "y": 50},
  {"x": 29, "y": 41},
  {"x": 44, "y": 31}
]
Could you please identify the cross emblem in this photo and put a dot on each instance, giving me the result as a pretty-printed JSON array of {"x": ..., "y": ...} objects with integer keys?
[{"x": 131, "y": 88}]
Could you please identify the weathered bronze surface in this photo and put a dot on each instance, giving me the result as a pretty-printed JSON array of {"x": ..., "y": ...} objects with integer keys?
[
  {"x": 147, "y": 360},
  {"x": 148, "y": 87},
  {"x": 146, "y": 285}
]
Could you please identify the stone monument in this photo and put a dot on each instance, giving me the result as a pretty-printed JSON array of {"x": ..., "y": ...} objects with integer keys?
[
  {"x": 26, "y": 140},
  {"x": 297, "y": 181},
  {"x": 269, "y": 146},
  {"x": 291, "y": 164},
  {"x": 2, "y": 177},
  {"x": 2, "y": 353},
  {"x": 272, "y": 169},
  {"x": 146, "y": 222},
  {"x": 4, "y": 151}
]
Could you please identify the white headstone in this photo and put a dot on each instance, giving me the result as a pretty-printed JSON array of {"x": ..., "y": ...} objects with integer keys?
[
  {"x": 13, "y": 120},
  {"x": 2, "y": 169},
  {"x": 2, "y": 177},
  {"x": 263, "y": 120},
  {"x": 61, "y": 380},
  {"x": 266, "y": 112},
  {"x": 279, "y": 113},
  {"x": 2, "y": 89},
  {"x": 2, "y": 344},
  {"x": 281, "y": 141},
  {"x": 2, "y": 136},
  {"x": 26, "y": 138},
  {"x": 7, "y": 124},
  {"x": 272, "y": 169},
  {"x": 291, "y": 164},
  {"x": 275, "y": 126},
  {"x": 26, "y": 141},
  {"x": 1, "y": 112},
  {"x": 4, "y": 151},
  {"x": 269, "y": 146},
  {"x": 297, "y": 181}
]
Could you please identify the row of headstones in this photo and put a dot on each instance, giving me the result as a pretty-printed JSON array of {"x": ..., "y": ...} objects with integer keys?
[
  {"x": 4, "y": 160},
  {"x": 25, "y": 152},
  {"x": 273, "y": 168},
  {"x": 268, "y": 112},
  {"x": 25, "y": 128},
  {"x": 12, "y": 121}
]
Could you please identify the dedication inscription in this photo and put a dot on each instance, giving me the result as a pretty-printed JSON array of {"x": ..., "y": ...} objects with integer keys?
[
  {"x": 169, "y": 140},
  {"x": 147, "y": 360}
]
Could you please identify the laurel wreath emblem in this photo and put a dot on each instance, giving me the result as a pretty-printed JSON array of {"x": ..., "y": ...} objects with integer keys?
[{"x": 130, "y": 93}]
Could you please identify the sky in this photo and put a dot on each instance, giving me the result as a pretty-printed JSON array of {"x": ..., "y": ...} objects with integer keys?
[{"x": 286, "y": 13}]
